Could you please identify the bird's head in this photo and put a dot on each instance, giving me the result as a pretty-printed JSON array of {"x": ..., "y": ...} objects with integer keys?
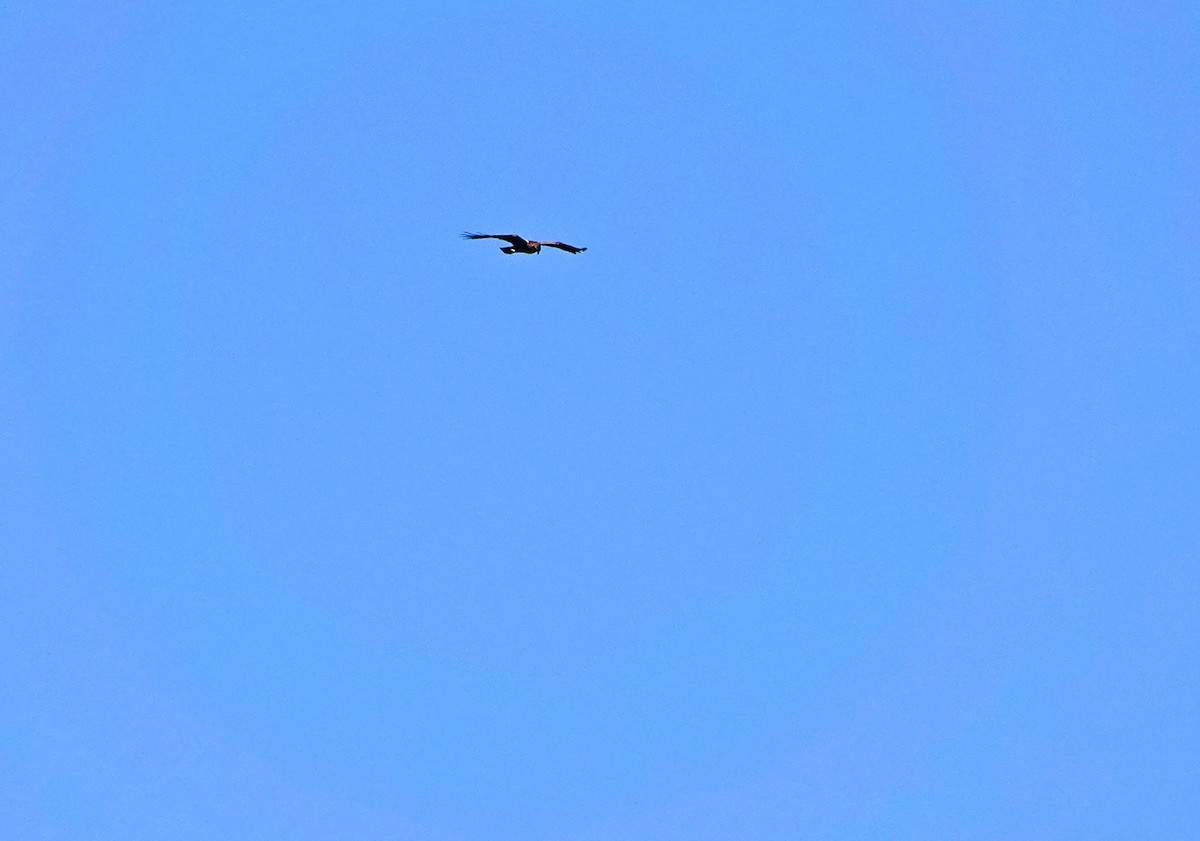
[{"x": 537, "y": 247}]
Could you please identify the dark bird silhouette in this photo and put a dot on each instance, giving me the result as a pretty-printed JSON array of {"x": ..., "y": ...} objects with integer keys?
[{"x": 520, "y": 245}]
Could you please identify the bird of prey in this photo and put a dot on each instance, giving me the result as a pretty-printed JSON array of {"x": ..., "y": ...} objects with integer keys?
[{"x": 520, "y": 245}]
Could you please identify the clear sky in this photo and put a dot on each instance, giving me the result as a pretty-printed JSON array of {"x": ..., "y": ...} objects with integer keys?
[{"x": 846, "y": 488}]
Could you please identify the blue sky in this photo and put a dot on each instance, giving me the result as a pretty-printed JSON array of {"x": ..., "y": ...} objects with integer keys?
[{"x": 845, "y": 488}]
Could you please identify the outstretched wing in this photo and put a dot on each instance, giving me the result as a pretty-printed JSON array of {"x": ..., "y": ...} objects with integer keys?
[
  {"x": 572, "y": 249},
  {"x": 512, "y": 239}
]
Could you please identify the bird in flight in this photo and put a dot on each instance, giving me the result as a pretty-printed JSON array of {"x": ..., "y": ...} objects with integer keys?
[{"x": 520, "y": 245}]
